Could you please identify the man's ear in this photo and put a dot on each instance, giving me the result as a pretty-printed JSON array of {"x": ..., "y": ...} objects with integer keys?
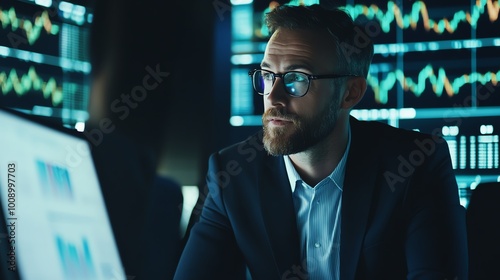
[{"x": 354, "y": 91}]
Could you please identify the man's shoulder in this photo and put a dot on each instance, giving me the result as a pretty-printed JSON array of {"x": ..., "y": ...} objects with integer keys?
[
  {"x": 393, "y": 141},
  {"x": 247, "y": 149},
  {"x": 375, "y": 130}
]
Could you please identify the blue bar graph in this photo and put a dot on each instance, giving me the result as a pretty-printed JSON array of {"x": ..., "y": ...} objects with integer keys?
[
  {"x": 55, "y": 180},
  {"x": 76, "y": 259}
]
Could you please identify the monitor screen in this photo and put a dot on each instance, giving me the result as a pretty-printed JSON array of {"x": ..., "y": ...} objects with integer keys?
[
  {"x": 44, "y": 60},
  {"x": 57, "y": 222}
]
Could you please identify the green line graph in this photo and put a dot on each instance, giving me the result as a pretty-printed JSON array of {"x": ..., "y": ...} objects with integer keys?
[
  {"x": 39, "y": 25},
  {"x": 31, "y": 81},
  {"x": 419, "y": 12},
  {"x": 439, "y": 81}
]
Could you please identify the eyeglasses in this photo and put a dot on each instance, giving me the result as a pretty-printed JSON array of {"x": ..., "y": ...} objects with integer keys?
[{"x": 296, "y": 83}]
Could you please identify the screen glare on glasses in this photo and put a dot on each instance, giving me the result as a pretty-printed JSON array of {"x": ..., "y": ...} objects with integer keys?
[{"x": 296, "y": 83}]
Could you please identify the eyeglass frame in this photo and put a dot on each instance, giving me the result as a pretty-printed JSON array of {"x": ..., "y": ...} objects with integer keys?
[{"x": 310, "y": 77}]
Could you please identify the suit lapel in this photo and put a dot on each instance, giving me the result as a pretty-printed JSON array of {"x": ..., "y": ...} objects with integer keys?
[
  {"x": 278, "y": 213},
  {"x": 359, "y": 183}
]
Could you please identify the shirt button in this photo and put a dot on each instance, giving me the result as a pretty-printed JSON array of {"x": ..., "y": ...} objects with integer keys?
[
  {"x": 317, "y": 202},
  {"x": 317, "y": 245}
]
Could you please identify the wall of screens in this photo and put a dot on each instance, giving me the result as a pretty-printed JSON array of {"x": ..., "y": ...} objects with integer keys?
[
  {"x": 435, "y": 70},
  {"x": 44, "y": 60}
]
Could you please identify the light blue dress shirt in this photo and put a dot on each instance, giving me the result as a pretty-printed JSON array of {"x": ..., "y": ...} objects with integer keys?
[{"x": 318, "y": 219}]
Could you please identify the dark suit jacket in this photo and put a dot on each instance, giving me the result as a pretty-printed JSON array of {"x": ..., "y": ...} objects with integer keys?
[{"x": 401, "y": 217}]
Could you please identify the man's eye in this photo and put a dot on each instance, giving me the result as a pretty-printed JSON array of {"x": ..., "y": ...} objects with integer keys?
[
  {"x": 267, "y": 76},
  {"x": 297, "y": 78}
]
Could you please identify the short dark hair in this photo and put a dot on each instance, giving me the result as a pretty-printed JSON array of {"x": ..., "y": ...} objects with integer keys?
[{"x": 353, "y": 56}]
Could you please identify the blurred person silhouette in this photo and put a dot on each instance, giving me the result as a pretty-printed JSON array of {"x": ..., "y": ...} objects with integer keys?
[
  {"x": 318, "y": 194},
  {"x": 133, "y": 87}
]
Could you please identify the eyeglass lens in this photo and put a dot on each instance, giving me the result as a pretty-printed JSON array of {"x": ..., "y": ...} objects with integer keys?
[{"x": 296, "y": 84}]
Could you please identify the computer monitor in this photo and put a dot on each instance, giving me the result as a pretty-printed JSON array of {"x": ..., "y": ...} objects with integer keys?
[
  {"x": 44, "y": 58},
  {"x": 57, "y": 226}
]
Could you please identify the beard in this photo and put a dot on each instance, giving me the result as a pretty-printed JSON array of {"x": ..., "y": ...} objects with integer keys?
[{"x": 301, "y": 133}]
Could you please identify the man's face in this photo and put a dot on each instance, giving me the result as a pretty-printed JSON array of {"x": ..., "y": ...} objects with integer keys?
[{"x": 295, "y": 124}]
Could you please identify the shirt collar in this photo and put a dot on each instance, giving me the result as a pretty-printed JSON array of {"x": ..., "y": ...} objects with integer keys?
[{"x": 337, "y": 175}]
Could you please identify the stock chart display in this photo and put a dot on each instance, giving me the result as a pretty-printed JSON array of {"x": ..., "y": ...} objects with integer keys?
[
  {"x": 436, "y": 69},
  {"x": 44, "y": 60}
]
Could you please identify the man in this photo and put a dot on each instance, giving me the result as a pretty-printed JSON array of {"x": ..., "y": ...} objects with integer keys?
[{"x": 318, "y": 194}]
